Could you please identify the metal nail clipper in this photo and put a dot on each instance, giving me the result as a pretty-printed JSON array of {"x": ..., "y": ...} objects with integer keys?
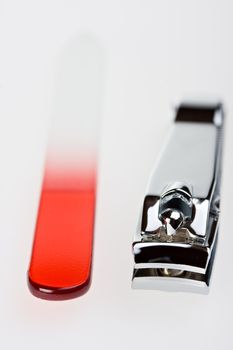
[{"x": 176, "y": 238}]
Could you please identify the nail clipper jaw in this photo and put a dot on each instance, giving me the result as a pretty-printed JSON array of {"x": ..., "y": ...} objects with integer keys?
[{"x": 177, "y": 235}]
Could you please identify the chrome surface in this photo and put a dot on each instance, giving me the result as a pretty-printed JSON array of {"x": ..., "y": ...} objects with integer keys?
[{"x": 177, "y": 232}]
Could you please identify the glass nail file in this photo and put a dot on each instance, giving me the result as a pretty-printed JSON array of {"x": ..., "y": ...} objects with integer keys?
[
  {"x": 60, "y": 266},
  {"x": 175, "y": 242}
]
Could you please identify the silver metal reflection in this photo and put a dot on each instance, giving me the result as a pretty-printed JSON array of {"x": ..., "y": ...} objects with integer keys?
[{"x": 175, "y": 242}]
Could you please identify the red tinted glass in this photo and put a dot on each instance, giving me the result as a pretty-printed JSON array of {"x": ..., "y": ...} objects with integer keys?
[{"x": 60, "y": 265}]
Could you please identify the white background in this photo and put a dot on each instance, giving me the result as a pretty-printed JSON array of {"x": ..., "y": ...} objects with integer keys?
[{"x": 153, "y": 52}]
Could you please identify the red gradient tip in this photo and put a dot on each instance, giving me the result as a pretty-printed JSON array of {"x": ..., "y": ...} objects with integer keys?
[{"x": 60, "y": 266}]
